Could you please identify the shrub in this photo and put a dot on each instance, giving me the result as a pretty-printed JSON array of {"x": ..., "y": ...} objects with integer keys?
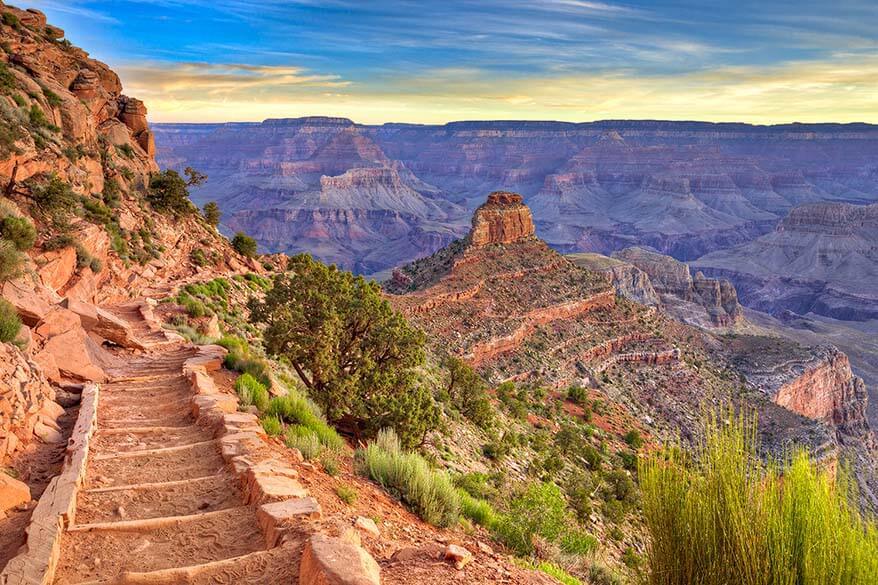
[
  {"x": 302, "y": 438},
  {"x": 212, "y": 213},
  {"x": 111, "y": 193},
  {"x": 52, "y": 98},
  {"x": 244, "y": 245},
  {"x": 721, "y": 515},
  {"x": 355, "y": 354},
  {"x": 59, "y": 242},
  {"x": 56, "y": 197},
  {"x": 19, "y": 231},
  {"x": 125, "y": 150},
  {"x": 8, "y": 82},
  {"x": 633, "y": 438},
  {"x": 198, "y": 257},
  {"x": 168, "y": 192},
  {"x": 558, "y": 573},
  {"x": 468, "y": 393},
  {"x": 9, "y": 19},
  {"x": 539, "y": 511},
  {"x": 272, "y": 425},
  {"x": 11, "y": 261},
  {"x": 578, "y": 542},
  {"x": 577, "y": 394},
  {"x": 329, "y": 462},
  {"x": 346, "y": 494},
  {"x": 10, "y": 324},
  {"x": 476, "y": 509},
  {"x": 251, "y": 392},
  {"x": 38, "y": 118},
  {"x": 408, "y": 476},
  {"x": 297, "y": 410}
]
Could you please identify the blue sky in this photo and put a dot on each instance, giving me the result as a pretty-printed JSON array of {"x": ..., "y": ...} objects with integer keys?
[{"x": 377, "y": 61}]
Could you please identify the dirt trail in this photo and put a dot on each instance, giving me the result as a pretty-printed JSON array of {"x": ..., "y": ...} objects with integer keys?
[{"x": 158, "y": 505}]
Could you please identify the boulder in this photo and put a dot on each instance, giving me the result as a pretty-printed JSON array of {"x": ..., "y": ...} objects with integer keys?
[
  {"x": 334, "y": 561},
  {"x": 46, "y": 433},
  {"x": 278, "y": 518},
  {"x": 76, "y": 355},
  {"x": 457, "y": 555},
  {"x": 367, "y": 526},
  {"x": 57, "y": 321},
  {"x": 31, "y": 305},
  {"x": 12, "y": 492},
  {"x": 57, "y": 267}
]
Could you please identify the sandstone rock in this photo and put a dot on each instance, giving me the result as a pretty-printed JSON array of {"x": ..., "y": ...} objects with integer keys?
[
  {"x": 31, "y": 305},
  {"x": 76, "y": 356},
  {"x": 332, "y": 561},
  {"x": 33, "y": 18},
  {"x": 457, "y": 555},
  {"x": 46, "y": 433},
  {"x": 133, "y": 114},
  {"x": 57, "y": 267},
  {"x": 368, "y": 526},
  {"x": 278, "y": 518},
  {"x": 503, "y": 219},
  {"x": 23, "y": 392},
  {"x": 13, "y": 493},
  {"x": 57, "y": 321},
  {"x": 87, "y": 85}
]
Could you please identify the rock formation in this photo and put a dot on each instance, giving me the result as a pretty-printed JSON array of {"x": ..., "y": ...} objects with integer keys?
[
  {"x": 503, "y": 219},
  {"x": 682, "y": 188},
  {"x": 820, "y": 259}
]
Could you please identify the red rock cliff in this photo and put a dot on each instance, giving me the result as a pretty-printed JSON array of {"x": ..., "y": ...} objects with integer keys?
[{"x": 503, "y": 219}]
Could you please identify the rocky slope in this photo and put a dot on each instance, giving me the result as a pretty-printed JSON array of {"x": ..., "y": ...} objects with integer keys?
[
  {"x": 76, "y": 156},
  {"x": 821, "y": 259},
  {"x": 517, "y": 310},
  {"x": 682, "y": 188}
]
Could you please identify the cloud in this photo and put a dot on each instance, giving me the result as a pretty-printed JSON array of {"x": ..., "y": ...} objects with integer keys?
[
  {"x": 72, "y": 9},
  {"x": 807, "y": 91}
]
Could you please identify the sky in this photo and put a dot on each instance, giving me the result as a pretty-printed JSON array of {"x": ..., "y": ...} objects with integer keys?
[{"x": 377, "y": 61}]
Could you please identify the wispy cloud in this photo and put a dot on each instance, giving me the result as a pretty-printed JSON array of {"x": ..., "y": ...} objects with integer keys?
[{"x": 74, "y": 9}]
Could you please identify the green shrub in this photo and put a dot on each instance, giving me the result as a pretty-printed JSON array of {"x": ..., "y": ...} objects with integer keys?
[
  {"x": 577, "y": 394},
  {"x": 198, "y": 257},
  {"x": 272, "y": 425},
  {"x": 38, "y": 119},
  {"x": 10, "y": 324},
  {"x": 212, "y": 213},
  {"x": 56, "y": 197},
  {"x": 302, "y": 438},
  {"x": 8, "y": 83},
  {"x": 96, "y": 211},
  {"x": 408, "y": 476},
  {"x": 9, "y": 19},
  {"x": 251, "y": 392},
  {"x": 11, "y": 261},
  {"x": 17, "y": 98},
  {"x": 168, "y": 192},
  {"x": 346, "y": 494},
  {"x": 558, "y": 573},
  {"x": 539, "y": 511},
  {"x": 125, "y": 150},
  {"x": 111, "y": 193},
  {"x": 18, "y": 230},
  {"x": 52, "y": 98},
  {"x": 298, "y": 410},
  {"x": 633, "y": 438},
  {"x": 329, "y": 462},
  {"x": 476, "y": 509},
  {"x": 244, "y": 244},
  {"x": 720, "y": 515},
  {"x": 578, "y": 542},
  {"x": 59, "y": 242}
]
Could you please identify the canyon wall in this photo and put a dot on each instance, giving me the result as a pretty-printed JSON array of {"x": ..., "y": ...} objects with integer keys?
[{"x": 682, "y": 188}]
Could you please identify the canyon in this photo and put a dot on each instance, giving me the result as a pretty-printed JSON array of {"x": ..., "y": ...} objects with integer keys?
[{"x": 682, "y": 188}]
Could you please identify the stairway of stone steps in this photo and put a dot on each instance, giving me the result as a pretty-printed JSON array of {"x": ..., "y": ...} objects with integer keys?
[{"x": 158, "y": 505}]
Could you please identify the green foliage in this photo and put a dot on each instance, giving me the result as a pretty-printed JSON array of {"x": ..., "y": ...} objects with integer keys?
[
  {"x": 11, "y": 261},
  {"x": 467, "y": 392},
  {"x": 18, "y": 230},
  {"x": 346, "y": 494},
  {"x": 38, "y": 119},
  {"x": 295, "y": 409},
  {"x": 578, "y": 542},
  {"x": 198, "y": 257},
  {"x": 633, "y": 438},
  {"x": 539, "y": 511},
  {"x": 577, "y": 394},
  {"x": 212, "y": 213},
  {"x": 272, "y": 425},
  {"x": 59, "y": 242},
  {"x": 558, "y": 573},
  {"x": 244, "y": 245},
  {"x": 168, "y": 193},
  {"x": 10, "y": 324},
  {"x": 125, "y": 150},
  {"x": 723, "y": 516},
  {"x": 408, "y": 476},
  {"x": 56, "y": 198},
  {"x": 96, "y": 211},
  {"x": 354, "y": 353},
  {"x": 111, "y": 193},
  {"x": 302, "y": 438},
  {"x": 477, "y": 509},
  {"x": 9, "y": 19},
  {"x": 251, "y": 392},
  {"x": 8, "y": 83},
  {"x": 52, "y": 98}
]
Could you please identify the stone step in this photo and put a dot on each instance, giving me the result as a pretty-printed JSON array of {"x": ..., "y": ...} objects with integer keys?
[
  {"x": 170, "y": 465},
  {"x": 101, "y": 551},
  {"x": 154, "y": 451},
  {"x": 271, "y": 567}
]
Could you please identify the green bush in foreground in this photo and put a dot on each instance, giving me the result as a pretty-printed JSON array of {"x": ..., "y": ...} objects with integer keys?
[
  {"x": 10, "y": 324},
  {"x": 11, "y": 261},
  {"x": 722, "y": 517},
  {"x": 408, "y": 476},
  {"x": 19, "y": 231}
]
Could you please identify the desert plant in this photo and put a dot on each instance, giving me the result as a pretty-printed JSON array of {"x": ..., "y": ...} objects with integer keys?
[
  {"x": 11, "y": 261},
  {"x": 212, "y": 213},
  {"x": 244, "y": 245},
  {"x": 355, "y": 354},
  {"x": 18, "y": 230},
  {"x": 252, "y": 392},
  {"x": 539, "y": 511},
  {"x": 721, "y": 515},
  {"x": 302, "y": 438},
  {"x": 346, "y": 494},
  {"x": 10, "y": 323},
  {"x": 55, "y": 197},
  {"x": 168, "y": 192},
  {"x": 408, "y": 476},
  {"x": 272, "y": 426}
]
